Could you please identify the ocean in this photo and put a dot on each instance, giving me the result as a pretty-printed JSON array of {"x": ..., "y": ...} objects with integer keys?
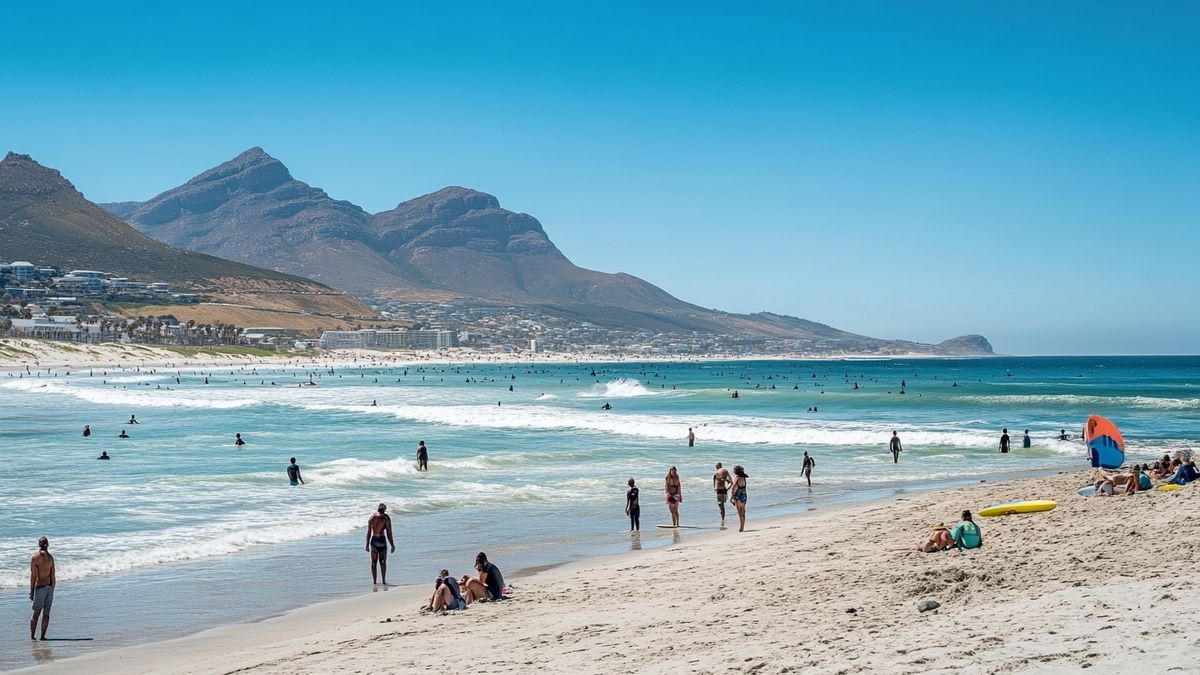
[{"x": 182, "y": 531}]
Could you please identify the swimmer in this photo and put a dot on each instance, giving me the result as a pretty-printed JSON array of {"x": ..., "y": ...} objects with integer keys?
[
  {"x": 133, "y": 420},
  {"x": 422, "y": 457},
  {"x": 896, "y": 448},
  {"x": 104, "y": 455},
  {"x": 293, "y": 473},
  {"x": 87, "y": 430},
  {"x": 123, "y": 434},
  {"x": 237, "y": 441}
]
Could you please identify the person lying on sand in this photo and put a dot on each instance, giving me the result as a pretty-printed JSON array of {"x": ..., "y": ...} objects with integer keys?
[
  {"x": 965, "y": 535},
  {"x": 939, "y": 540},
  {"x": 446, "y": 595}
]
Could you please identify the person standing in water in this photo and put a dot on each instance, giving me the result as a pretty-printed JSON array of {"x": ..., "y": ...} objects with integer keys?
[
  {"x": 1004, "y": 441},
  {"x": 237, "y": 440},
  {"x": 1026, "y": 442},
  {"x": 422, "y": 457},
  {"x": 633, "y": 508},
  {"x": 807, "y": 468},
  {"x": 293, "y": 473},
  {"x": 691, "y": 438},
  {"x": 87, "y": 430},
  {"x": 721, "y": 481},
  {"x": 379, "y": 537},
  {"x": 739, "y": 495},
  {"x": 896, "y": 448},
  {"x": 674, "y": 495},
  {"x": 133, "y": 420},
  {"x": 42, "y": 580}
]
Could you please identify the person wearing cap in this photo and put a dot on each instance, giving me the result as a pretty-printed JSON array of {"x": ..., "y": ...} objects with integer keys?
[
  {"x": 379, "y": 537},
  {"x": 42, "y": 580}
]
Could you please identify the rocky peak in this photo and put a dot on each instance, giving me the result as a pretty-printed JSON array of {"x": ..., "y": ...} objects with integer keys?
[
  {"x": 252, "y": 171},
  {"x": 21, "y": 174}
]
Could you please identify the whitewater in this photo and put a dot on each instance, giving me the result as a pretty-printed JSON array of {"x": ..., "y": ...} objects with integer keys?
[{"x": 535, "y": 475}]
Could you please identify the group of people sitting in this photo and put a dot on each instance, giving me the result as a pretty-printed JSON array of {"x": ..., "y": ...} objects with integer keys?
[
  {"x": 965, "y": 535},
  {"x": 1140, "y": 477},
  {"x": 451, "y": 594}
]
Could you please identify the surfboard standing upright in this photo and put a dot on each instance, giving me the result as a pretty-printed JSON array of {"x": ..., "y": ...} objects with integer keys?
[{"x": 1106, "y": 446}]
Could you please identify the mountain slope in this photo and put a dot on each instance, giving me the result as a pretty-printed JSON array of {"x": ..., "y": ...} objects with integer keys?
[{"x": 44, "y": 219}]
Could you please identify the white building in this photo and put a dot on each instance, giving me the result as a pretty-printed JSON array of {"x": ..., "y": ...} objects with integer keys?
[{"x": 21, "y": 270}]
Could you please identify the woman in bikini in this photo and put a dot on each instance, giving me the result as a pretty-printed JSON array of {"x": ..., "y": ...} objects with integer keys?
[
  {"x": 739, "y": 495},
  {"x": 674, "y": 495}
]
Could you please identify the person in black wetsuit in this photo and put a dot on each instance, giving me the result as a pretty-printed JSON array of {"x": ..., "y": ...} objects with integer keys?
[
  {"x": 1004, "y": 441},
  {"x": 104, "y": 455},
  {"x": 237, "y": 440},
  {"x": 422, "y": 457},
  {"x": 807, "y": 468},
  {"x": 87, "y": 430},
  {"x": 122, "y": 434},
  {"x": 633, "y": 508},
  {"x": 896, "y": 448},
  {"x": 293, "y": 473},
  {"x": 1027, "y": 441}
]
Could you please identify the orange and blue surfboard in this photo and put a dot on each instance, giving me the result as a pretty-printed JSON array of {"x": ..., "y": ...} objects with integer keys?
[{"x": 1106, "y": 447}]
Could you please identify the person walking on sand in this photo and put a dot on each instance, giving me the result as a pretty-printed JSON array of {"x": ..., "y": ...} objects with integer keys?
[
  {"x": 237, "y": 440},
  {"x": 633, "y": 508},
  {"x": 739, "y": 495},
  {"x": 895, "y": 447},
  {"x": 293, "y": 473},
  {"x": 674, "y": 495},
  {"x": 721, "y": 481},
  {"x": 1004, "y": 441},
  {"x": 42, "y": 580},
  {"x": 379, "y": 537},
  {"x": 691, "y": 438},
  {"x": 807, "y": 468},
  {"x": 422, "y": 457}
]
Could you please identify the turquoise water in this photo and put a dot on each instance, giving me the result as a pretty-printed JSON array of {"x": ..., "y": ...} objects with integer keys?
[{"x": 181, "y": 531}]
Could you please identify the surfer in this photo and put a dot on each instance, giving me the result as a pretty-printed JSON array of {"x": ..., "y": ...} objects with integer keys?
[
  {"x": 691, "y": 438},
  {"x": 735, "y": 394},
  {"x": 237, "y": 440},
  {"x": 633, "y": 508},
  {"x": 895, "y": 447},
  {"x": 133, "y": 420},
  {"x": 422, "y": 457},
  {"x": 104, "y": 455},
  {"x": 87, "y": 430},
  {"x": 1026, "y": 441},
  {"x": 675, "y": 495},
  {"x": 1062, "y": 435},
  {"x": 1004, "y": 441},
  {"x": 721, "y": 481},
  {"x": 293, "y": 473},
  {"x": 739, "y": 495},
  {"x": 807, "y": 468},
  {"x": 42, "y": 580},
  {"x": 122, "y": 434},
  {"x": 379, "y": 537}
]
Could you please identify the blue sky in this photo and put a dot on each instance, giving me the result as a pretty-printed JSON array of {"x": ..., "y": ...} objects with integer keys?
[{"x": 910, "y": 170}]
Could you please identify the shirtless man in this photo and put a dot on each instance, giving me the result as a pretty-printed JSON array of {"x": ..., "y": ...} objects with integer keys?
[
  {"x": 722, "y": 479},
  {"x": 379, "y": 537},
  {"x": 896, "y": 448},
  {"x": 807, "y": 468},
  {"x": 41, "y": 586}
]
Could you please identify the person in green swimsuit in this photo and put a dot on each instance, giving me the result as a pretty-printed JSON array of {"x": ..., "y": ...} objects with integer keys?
[{"x": 967, "y": 534}]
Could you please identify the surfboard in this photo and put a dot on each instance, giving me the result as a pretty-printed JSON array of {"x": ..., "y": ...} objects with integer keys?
[
  {"x": 1032, "y": 506},
  {"x": 1168, "y": 487},
  {"x": 680, "y": 527},
  {"x": 1106, "y": 446}
]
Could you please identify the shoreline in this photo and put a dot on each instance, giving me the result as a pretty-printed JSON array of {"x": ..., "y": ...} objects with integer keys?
[{"x": 859, "y": 556}]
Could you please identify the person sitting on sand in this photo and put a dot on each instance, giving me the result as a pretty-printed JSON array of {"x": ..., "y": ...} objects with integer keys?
[
  {"x": 966, "y": 535},
  {"x": 446, "y": 594},
  {"x": 1186, "y": 473},
  {"x": 1104, "y": 486},
  {"x": 939, "y": 540},
  {"x": 489, "y": 585}
]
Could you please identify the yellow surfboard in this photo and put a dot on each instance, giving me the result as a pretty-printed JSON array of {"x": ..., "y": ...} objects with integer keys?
[
  {"x": 1168, "y": 487},
  {"x": 1010, "y": 508}
]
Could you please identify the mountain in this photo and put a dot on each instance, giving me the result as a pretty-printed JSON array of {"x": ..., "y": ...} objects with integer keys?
[
  {"x": 452, "y": 244},
  {"x": 44, "y": 219}
]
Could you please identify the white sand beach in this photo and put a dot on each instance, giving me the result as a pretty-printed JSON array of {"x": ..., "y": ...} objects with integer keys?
[{"x": 1102, "y": 583}]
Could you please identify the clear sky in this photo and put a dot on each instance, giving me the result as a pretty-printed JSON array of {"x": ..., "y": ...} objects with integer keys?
[{"x": 1025, "y": 170}]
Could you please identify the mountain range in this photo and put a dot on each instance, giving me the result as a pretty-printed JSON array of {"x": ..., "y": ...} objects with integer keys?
[
  {"x": 45, "y": 220},
  {"x": 453, "y": 244}
]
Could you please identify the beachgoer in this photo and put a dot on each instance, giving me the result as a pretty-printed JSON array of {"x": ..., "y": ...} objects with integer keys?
[
  {"x": 293, "y": 473},
  {"x": 422, "y": 457},
  {"x": 379, "y": 537},
  {"x": 104, "y": 455},
  {"x": 633, "y": 507},
  {"x": 721, "y": 481},
  {"x": 967, "y": 534},
  {"x": 735, "y": 394},
  {"x": 87, "y": 430},
  {"x": 1004, "y": 441},
  {"x": 472, "y": 589},
  {"x": 1186, "y": 473},
  {"x": 133, "y": 420},
  {"x": 490, "y": 577},
  {"x": 42, "y": 580},
  {"x": 896, "y": 449},
  {"x": 1026, "y": 442},
  {"x": 807, "y": 468},
  {"x": 1062, "y": 435},
  {"x": 691, "y": 438},
  {"x": 675, "y": 495},
  {"x": 446, "y": 594},
  {"x": 122, "y": 434},
  {"x": 606, "y": 406},
  {"x": 237, "y": 440},
  {"x": 739, "y": 495},
  {"x": 939, "y": 540}
]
